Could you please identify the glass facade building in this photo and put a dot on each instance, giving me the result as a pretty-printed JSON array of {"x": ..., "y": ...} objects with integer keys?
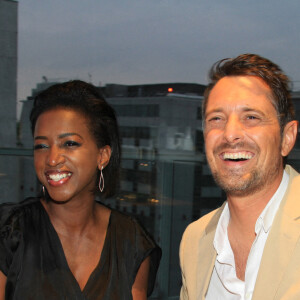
[{"x": 165, "y": 180}]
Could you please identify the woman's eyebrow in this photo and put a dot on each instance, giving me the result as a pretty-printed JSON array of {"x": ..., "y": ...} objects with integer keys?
[
  {"x": 63, "y": 135},
  {"x": 40, "y": 137}
]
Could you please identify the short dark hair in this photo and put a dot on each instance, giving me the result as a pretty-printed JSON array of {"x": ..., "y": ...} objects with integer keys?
[
  {"x": 86, "y": 99},
  {"x": 269, "y": 72}
]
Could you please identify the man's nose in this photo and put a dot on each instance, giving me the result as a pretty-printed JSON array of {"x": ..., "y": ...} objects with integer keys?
[{"x": 233, "y": 131}]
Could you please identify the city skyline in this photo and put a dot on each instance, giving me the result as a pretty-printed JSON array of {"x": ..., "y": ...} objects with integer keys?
[{"x": 144, "y": 42}]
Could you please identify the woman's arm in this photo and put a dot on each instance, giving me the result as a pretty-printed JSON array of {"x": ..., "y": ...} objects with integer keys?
[
  {"x": 140, "y": 285},
  {"x": 2, "y": 285}
]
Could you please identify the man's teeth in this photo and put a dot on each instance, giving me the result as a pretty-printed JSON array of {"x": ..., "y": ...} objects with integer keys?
[
  {"x": 57, "y": 177},
  {"x": 237, "y": 155}
]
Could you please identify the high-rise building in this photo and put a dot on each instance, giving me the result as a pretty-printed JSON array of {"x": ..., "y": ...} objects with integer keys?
[
  {"x": 9, "y": 165},
  {"x": 165, "y": 181},
  {"x": 8, "y": 72}
]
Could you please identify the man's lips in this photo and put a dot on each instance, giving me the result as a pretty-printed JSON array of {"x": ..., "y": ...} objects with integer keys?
[{"x": 236, "y": 156}]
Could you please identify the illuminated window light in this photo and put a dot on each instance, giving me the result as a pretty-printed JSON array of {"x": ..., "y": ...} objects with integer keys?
[{"x": 170, "y": 90}]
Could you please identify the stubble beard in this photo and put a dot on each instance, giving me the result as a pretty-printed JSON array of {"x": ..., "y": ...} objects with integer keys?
[
  {"x": 235, "y": 184},
  {"x": 240, "y": 185}
]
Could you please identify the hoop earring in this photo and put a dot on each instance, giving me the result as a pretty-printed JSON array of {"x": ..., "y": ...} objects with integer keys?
[{"x": 101, "y": 181}]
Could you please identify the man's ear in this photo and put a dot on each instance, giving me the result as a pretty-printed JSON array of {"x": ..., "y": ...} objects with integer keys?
[
  {"x": 289, "y": 137},
  {"x": 104, "y": 156}
]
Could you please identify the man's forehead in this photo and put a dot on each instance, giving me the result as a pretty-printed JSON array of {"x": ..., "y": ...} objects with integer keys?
[
  {"x": 244, "y": 91},
  {"x": 253, "y": 84}
]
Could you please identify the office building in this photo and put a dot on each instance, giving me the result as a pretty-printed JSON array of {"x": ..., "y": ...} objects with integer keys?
[{"x": 8, "y": 98}]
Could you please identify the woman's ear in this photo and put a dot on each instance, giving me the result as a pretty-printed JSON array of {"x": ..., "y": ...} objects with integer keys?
[
  {"x": 104, "y": 156},
  {"x": 289, "y": 137}
]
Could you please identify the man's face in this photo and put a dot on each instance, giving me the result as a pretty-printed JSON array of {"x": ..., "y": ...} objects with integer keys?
[{"x": 242, "y": 136}]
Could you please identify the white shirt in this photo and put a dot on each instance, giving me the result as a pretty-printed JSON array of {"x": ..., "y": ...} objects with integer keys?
[{"x": 224, "y": 285}]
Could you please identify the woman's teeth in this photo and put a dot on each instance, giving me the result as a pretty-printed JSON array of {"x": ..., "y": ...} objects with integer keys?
[{"x": 57, "y": 177}]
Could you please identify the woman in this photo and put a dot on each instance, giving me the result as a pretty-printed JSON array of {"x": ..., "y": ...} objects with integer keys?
[{"x": 64, "y": 244}]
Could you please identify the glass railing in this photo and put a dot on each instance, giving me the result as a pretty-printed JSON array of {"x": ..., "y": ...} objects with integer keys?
[{"x": 164, "y": 192}]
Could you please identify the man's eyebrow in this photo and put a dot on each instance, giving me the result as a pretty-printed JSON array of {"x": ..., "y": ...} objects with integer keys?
[
  {"x": 244, "y": 109},
  {"x": 215, "y": 110},
  {"x": 250, "y": 109}
]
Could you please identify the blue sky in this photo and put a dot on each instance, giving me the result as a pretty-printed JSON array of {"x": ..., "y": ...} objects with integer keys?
[{"x": 150, "y": 41}]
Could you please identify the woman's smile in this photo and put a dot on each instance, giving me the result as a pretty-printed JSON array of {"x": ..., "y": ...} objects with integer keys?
[
  {"x": 57, "y": 178},
  {"x": 66, "y": 156}
]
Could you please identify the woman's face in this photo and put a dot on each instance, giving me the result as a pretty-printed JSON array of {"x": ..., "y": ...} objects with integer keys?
[{"x": 66, "y": 157}]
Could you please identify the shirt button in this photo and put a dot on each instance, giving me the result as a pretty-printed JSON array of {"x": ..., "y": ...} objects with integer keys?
[{"x": 248, "y": 296}]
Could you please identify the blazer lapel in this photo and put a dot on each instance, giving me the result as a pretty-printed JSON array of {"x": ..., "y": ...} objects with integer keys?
[
  {"x": 207, "y": 255},
  {"x": 281, "y": 242}
]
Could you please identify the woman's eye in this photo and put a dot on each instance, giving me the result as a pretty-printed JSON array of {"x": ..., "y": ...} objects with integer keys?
[
  {"x": 71, "y": 144},
  {"x": 39, "y": 146}
]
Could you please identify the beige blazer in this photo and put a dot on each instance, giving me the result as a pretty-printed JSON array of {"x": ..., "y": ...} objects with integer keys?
[{"x": 279, "y": 273}]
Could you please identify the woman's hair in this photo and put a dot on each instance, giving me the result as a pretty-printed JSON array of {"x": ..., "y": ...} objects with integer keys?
[
  {"x": 87, "y": 100},
  {"x": 255, "y": 65}
]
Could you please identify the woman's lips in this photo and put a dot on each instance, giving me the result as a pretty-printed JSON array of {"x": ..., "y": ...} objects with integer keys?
[{"x": 55, "y": 178}]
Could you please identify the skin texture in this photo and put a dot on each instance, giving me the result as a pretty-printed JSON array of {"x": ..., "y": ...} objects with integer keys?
[
  {"x": 139, "y": 288},
  {"x": 241, "y": 121},
  {"x": 2, "y": 285},
  {"x": 63, "y": 144},
  {"x": 66, "y": 146}
]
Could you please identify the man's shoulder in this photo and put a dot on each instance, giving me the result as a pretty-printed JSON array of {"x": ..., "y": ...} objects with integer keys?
[
  {"x": 292, "y": 172},
  {"x": 198, "y": 227},
  {"x": 194, "y": 235}
]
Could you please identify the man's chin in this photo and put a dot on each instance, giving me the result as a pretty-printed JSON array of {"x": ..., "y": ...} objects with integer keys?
[{"x": 238, "y": 185}]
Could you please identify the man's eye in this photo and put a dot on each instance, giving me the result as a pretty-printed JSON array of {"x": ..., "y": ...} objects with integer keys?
[
  {"x": 39, "y": 146},
  {"x": 252, "y": 118},
  {"x": 213, "y": 119},
  {"x": 71, "y": 144}
]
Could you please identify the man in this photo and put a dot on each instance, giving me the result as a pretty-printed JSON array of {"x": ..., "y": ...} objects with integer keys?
[{"x": 250, "y": 247}]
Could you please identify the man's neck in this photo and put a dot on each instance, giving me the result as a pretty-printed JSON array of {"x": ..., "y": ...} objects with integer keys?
[{"x": 245, "y": 209}]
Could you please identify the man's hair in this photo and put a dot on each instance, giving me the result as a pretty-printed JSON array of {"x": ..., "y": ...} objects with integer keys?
[
  {"x": 255, "y": 65},
  {"x": 86, "y": 99}
]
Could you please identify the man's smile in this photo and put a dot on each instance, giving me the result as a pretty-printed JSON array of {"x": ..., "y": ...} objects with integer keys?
[{"x": 237, "y": 156}]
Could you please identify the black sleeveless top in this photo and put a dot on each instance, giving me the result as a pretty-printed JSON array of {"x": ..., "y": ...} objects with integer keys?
[{"x": 32, "y": 257}]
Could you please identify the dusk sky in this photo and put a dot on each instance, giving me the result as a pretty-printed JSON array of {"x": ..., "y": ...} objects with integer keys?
[{"x": 150, "y": 41}]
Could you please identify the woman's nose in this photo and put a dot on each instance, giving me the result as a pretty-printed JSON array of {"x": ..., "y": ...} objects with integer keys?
[{"x": 55, "y": 157}]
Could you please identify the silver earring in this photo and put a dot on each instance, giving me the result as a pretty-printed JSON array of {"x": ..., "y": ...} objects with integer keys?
[
  {"x": 101, "y": 181},
  {"x": 44, "y": 193}
]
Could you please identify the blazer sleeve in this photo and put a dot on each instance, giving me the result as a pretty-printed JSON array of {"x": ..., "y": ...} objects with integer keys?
[{"x": 183, "y": 291}]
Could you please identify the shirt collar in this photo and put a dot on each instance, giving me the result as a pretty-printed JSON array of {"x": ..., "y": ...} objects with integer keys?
[
  {"x": 221, "y": 233},
  {"x": 264, "y": 221},
  {"x": 266, "y": 218}
]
